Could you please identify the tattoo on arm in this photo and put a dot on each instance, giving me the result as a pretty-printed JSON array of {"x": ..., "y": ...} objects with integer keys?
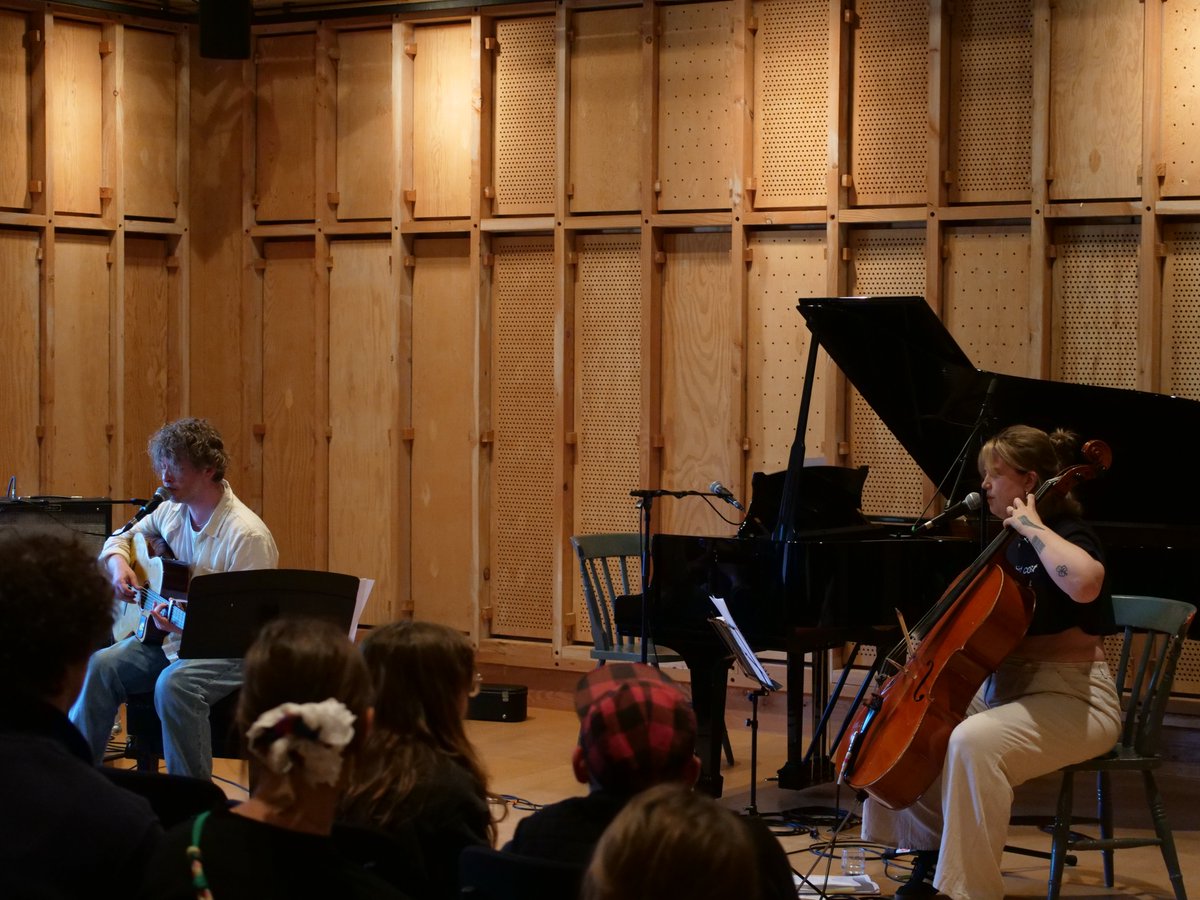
[
  {"x": 1062, "y": 571},
  {"x": 1025, "y": 520},
  {"x": 1036, "y": 543}
]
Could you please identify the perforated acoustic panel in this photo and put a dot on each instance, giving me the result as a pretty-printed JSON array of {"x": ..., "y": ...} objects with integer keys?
[
  {"x": 608, "y": 392},
  {"x": 694, "y": 106},
  {"x": 886, "y": 263},
  {"x": 1181, "y": 311},
  {"x": 890, "y": 102},
  {"x": 526, "y": 96},
  {"x": 523, "y": 408},
  {"x": 1180, "y": 98},
  {"x": 987, "y": 297},
  {"x": 787, "y": 265},
  {"x": 992, "y": 100},
  {"x": 1095, "y": 337},
  {"x": 791, "y": 87}
]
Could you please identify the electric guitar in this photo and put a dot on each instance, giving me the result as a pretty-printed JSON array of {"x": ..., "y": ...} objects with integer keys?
[{"x": 162, "y": 580}]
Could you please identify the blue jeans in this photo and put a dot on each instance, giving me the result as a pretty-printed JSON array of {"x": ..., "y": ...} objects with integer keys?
[{"x": 183, "y": 692}]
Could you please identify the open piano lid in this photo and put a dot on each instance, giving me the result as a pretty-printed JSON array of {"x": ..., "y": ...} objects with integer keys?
[{"x": 908, "y": 367}]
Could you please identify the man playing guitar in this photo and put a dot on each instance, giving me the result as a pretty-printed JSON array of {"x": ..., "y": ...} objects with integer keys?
[{"x": 207, "y": 528}]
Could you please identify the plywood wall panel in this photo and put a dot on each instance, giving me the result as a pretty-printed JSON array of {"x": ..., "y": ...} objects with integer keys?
[
  {"x": 695, "y": 119},
  {"x": 445, "y": 449},
  {"x": 364, "y": 409},
  {"x": 608, "y": 393},
  {"x": 1180, "y": 98},
  {"x": 78, "y": 408},
  {"x": 786, "y": 265},
  {"x": 285, "y": 128},
  {"x": 525, "y": 130},
  {"x": 608, "y": 382},
  {"x": 525, "y": 400},
  {"x": 219, "y": 379},
  {"x": 991, "y": 102},
  {"x": 366, "y": 164},
  {"x": 1095, "y": 99},
  {"x": 14, "y": 124},
  {"x": 701, "y": 377},
  {"x": 791, "y": 90},
  {"x": 443, "y": 121},
  {"x": 1095, "y": 287},
  {"x": 289, "y": 379},
  {"x": 889, "y": 105},
  {"x": 887, "y": 262},
  {"x": 147, "y": 378},
  {"x": 150, "y": 153},
  {"x": 987, "y": 297},
  {"x": 75, "y": 115},
  {"x": 20, "y": 362},
  {"x": 605, "y": 110},
  {"x": 1181, "y": 311}
]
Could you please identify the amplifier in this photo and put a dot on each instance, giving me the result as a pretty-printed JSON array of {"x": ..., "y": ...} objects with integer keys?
[
  {"x": 499, "y": 703},
  {"x": 90, "y": 520}
]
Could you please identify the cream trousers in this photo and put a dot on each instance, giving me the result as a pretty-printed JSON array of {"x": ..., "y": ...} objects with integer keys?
[{"x": 1030, "y": 718}]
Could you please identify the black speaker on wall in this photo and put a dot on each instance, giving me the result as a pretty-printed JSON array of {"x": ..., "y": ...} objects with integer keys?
[{"x": 225, "y": 29}]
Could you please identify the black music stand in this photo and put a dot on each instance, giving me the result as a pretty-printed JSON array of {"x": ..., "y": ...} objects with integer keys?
[
  {"x": 226, "y": 610},
  {"x": 753, "y": 669}
]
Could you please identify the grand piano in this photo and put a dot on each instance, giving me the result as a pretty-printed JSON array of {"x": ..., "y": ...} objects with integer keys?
[{"x": 811, "y": 574}]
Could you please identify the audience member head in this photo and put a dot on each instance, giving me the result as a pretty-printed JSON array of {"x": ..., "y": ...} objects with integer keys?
[
  {"x": 423, "y": 674},
  {"x": 57, "y": 608},
  {"x": 671, "y": 841},
  {"x": 1024, "y": 450},
  {"x": 305, "y": 707},
  {"x": 193, "y": 441},
  {"x": 636, "y": 729}
]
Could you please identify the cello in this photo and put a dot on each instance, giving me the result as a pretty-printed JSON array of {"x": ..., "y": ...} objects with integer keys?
[{"x": 896, "y": 743}]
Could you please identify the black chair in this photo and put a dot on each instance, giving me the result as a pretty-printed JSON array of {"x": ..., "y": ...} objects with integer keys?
[
  {"x": 144, "y": 730},
  {"x": 174, "y": 798},
  {"x": 1154, "y": 632},
  {"x": 487, "y": 874}
]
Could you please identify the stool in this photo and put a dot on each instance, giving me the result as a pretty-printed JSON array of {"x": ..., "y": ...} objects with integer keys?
[{"x": 144, "y": 730}]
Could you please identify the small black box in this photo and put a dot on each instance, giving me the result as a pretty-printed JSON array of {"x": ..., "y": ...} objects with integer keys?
[{"x": 499, "y": 703}]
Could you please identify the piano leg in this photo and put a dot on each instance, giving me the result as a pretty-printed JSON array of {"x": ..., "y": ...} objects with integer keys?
[
  {"x": 708, "y": 701},
  {"x": 804, "y": 768}
]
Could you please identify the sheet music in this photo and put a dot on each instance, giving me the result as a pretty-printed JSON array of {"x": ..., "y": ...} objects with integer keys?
[
  {"x": 360, "y": 603},
  {"x": 729, "y": 630}
]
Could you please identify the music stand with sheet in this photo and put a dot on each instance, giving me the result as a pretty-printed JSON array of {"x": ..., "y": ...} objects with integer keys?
[{"x": 226, "y": 610}]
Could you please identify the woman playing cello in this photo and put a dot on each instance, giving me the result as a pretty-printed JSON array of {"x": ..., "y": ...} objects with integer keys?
[{"x": 1050, "y": 703}]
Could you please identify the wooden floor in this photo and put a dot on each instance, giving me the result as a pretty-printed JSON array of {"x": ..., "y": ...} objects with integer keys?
[{"x": 529, "y": 763}]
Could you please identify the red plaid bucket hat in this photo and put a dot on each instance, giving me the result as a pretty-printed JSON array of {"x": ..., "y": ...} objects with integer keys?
[{"x": 636, "y": 727}]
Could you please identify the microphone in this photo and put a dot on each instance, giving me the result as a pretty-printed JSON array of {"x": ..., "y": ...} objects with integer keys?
[
  {"x": 967, "y": 504},
  {"x": 725, "y": 494},
  {"x": 148, "y": 507}
]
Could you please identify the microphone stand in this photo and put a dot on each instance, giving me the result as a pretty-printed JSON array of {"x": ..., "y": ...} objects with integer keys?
[{"x": 646, "y": 504}]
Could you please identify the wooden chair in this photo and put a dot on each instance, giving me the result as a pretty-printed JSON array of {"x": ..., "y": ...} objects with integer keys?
[
  {"x": 1154, "y": 632},
  {"x": 605, "y": 564}
]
